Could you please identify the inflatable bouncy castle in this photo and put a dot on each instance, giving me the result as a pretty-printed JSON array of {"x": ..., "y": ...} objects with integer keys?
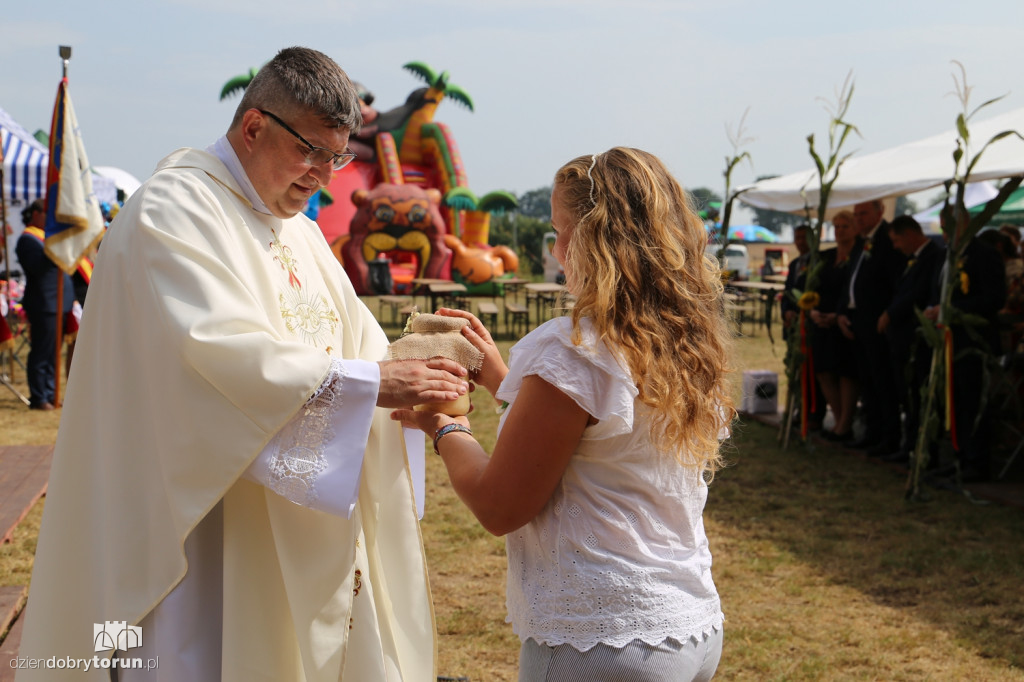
[{"x": 406, "y": 201}]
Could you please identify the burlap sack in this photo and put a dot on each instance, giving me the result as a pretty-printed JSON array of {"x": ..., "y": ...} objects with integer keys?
[{"x": 432, "y": 336}]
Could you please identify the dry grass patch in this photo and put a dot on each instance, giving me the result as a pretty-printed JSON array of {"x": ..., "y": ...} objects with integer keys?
[
  {"x": 825, "y": 572},
  {"x": 20, "y": 425}
]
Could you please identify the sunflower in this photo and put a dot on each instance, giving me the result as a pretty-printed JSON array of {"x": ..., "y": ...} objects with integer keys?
[{"x": 809, "y": 300}]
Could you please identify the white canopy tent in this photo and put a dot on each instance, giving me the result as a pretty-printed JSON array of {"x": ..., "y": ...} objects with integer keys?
[
  {"x": 905, "y": 169},
  {"x": 123, "y": 180},
  {"x": 975, "y": 193}
]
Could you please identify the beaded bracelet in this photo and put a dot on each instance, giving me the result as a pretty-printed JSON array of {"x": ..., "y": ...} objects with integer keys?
[{"x": 445, "y": 430}]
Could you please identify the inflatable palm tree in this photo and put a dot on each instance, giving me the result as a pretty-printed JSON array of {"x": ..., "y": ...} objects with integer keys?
[{"x": 237, "y": 84}]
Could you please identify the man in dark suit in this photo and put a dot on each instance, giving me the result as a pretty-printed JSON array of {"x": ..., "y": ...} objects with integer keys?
[
  {"x": 795, "y": 279},
  {"x": 909, "y": 355},
  {"x": 870, "y": 291},
  {"x": 979, "y": 288},
  {"x": 40, "y": 304}
]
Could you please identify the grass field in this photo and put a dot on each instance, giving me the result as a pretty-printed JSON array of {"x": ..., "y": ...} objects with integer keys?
[{"x": 825, "y": 572}]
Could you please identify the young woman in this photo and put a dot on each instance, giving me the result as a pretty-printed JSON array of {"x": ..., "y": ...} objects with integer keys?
[{"x": 612, "y": 428}]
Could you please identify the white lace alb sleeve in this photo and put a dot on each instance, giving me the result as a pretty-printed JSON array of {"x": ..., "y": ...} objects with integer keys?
[{"x": 316, "y": 459}]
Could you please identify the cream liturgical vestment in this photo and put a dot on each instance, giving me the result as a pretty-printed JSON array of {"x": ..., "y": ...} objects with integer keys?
[{"x": 212, "y": 330}]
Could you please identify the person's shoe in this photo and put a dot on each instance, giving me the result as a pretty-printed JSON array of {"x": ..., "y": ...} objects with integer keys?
[
  {"x": 41, "y": 406},
  {"x": 837, "y": 437}
]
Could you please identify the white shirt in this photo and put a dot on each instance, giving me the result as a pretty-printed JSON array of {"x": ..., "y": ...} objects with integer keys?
[
  {"x": 860, "y": 259},
  {"x": 619, "y": 551}
]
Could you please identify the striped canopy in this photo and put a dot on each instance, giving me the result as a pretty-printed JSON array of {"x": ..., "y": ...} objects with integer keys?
[{"x": 25, "y": 163}]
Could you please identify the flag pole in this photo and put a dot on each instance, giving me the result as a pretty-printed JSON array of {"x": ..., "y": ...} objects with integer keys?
[{"x": 65, "y": 54}]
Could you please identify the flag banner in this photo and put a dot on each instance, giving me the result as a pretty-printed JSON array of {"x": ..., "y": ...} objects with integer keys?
[{"x": 74, "y": 221}]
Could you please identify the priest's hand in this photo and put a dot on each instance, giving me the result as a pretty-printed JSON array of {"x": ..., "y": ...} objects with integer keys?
[{"x": 404, "y": 383}]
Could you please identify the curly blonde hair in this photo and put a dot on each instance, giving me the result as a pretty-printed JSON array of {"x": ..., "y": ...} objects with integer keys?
[{"x": 640, "y": 274}]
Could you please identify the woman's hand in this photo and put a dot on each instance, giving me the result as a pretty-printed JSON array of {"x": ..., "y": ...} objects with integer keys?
[
  {"x": 427, "y": 422},
  {"x": 493, "y": 370}
]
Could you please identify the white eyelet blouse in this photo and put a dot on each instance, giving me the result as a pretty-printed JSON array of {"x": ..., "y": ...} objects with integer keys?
[{"x": 619, "y": 551}]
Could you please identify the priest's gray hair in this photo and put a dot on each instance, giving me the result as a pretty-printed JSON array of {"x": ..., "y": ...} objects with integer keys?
[{"x": 301, "y": 79}]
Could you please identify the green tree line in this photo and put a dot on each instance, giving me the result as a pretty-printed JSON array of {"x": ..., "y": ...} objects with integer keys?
[{"x": 523, "y": 229}]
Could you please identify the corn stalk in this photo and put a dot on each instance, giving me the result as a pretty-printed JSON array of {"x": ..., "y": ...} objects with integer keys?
[
  {"x": 958, "y": 227},
  {"x": 738, "y": 139},
  {"x": 827, "y": 167}
]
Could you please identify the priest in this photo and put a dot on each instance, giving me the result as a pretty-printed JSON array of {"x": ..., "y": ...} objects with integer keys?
[{"x": 228, "y": 499}]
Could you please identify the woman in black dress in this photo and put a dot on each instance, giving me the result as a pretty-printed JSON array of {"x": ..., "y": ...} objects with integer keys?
[{"x": 835, "y": 364}]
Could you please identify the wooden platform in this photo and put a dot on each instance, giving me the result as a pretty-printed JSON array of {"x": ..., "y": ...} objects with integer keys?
[
  {"x": 24, "y": 471},
  {"x": 12, "y": 602}
]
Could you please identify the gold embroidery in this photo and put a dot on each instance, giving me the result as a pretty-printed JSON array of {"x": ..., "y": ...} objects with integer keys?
[
  {"x": 283, "y": 255},
  {"x": 355, "y": 591},
  {"x": 310, "y": 316}
]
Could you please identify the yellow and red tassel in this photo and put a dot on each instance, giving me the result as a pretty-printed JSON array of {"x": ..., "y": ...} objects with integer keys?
[
  {"x": 947, "y": 345},
  {"x": 808, "y": 396}
]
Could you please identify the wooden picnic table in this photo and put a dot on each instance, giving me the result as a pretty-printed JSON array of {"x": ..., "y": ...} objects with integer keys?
[
  {"x": 421, "y": 285},
  {"x": 545, "y": 292},
  {"x": 446, "y": 291},
  {"x": 512, "y": 286},
  {"x": 762, "y": 286},
  {"x": 766, "y": 291}
]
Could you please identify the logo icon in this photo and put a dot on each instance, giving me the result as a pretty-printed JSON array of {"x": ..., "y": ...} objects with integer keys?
[{"x": 115, "y": 634}]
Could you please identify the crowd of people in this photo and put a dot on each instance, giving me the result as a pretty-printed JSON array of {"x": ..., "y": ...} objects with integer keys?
[{"x": 868, "y": 355}]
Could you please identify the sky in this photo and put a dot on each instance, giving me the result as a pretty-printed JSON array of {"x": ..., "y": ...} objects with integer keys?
[{"x": 550, "y": 79}]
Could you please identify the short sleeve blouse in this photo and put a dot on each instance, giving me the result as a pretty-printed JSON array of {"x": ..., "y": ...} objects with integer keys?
[{"x": 619, "y": 551}]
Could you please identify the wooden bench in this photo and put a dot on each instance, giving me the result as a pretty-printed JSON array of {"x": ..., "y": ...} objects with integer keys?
[
  {"x": 741, "y": 311},
  {"x": 520, "y": 316},
  {"x": 487, "y": 311}
]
